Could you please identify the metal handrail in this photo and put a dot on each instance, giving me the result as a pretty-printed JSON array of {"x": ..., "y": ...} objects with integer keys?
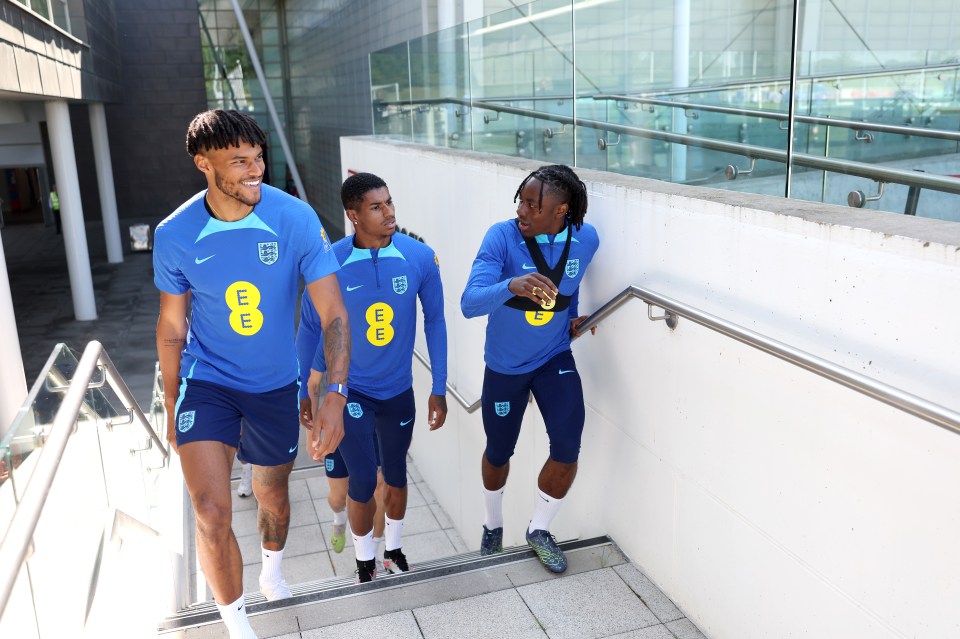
[
  {"x": 848, "y": 167},
  {"x": 900, "y": 399},
  {"x": 907, "y": 402},
  {"x": 16, "y": 543},
  {"x": 940, "y": 134},
  {"x": 470, "y": 408}
]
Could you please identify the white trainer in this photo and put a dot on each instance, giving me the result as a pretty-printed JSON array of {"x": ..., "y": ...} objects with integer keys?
[
  {"x": 245, "y": 487},
  {"x": 275, "y": 590}
]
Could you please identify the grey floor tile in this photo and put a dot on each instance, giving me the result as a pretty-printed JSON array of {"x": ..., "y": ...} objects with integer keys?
[
  {"x": 294, "y": 635},
  {"x": 318, "y": 487},
  {"x": 427, "y": 547},
  {"x": 428, "y": 496},
  {"x": 344, "y": 563},
  {"x": 587, "y": 606},
  {"x": 414, "y": 496},
  {"x": 458, "y": 543},
  {"x": 658, "y": 603},
  {"x": 397, "y": 625},
  {"x": 495, "y": 615},
  {"x": 685, "y": 629},
  {"x": 442, "y": 518},
  {"x": 653, "y": 632},
  {"x": 419, "y": 520}
]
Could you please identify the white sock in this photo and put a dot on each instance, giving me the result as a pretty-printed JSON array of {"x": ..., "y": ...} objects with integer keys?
[
  {"x": 234, "y": 617},
  {"x": 493, "y": 508},
  {"x": 544, "y": 512},
  {"x": 392, "y": 533},
  {"x": 364, "y": 547},
  {"x": 270, "y": 571},
  {"x": 378, "y": 544},
  {"x": 340, "y": 518}
]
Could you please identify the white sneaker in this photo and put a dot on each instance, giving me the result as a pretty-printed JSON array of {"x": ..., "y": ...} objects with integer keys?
[
  {"x": 275, "y": 590},
  {"x": 245, "y": 487}
]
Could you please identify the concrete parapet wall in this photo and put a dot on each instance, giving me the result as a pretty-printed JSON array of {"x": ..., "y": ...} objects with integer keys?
[{"x": 766, "y": 501}]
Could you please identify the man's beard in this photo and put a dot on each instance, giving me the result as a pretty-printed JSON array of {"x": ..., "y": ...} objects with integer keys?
[{"x": 235, "y": 191}]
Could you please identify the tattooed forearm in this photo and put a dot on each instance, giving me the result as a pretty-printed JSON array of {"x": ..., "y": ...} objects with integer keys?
[
  {"x": 336, "y": 348},
  {"x": 173, "y": 341}
]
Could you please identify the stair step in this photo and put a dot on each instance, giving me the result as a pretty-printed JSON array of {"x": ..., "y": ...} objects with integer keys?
[{"x": 204, "y": 613}]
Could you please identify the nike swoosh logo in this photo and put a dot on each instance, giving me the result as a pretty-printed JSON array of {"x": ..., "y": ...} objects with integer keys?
[
  {"x": 563, "y": 372},
  {"x": 353, "y": 288},
  {"x": 293, "y": 449},
  {"x": 528, "y": 267},
  {"x": 406, "y": 422},
  {"x": 201, "y": 261}
]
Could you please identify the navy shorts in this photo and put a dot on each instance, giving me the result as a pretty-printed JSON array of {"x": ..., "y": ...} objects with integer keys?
[
  {"x": 271, "y": 420},
  {"x": 556, "y": 387},
  {"x": 336, "y": 468},
  {"x": 372, "y": 426}
]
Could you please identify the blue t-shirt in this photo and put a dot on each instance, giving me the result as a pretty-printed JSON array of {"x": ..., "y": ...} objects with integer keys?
[
  {"x": 522, "y": 341},
  {"x": 243, "y": 278},
  {"x": 380, "y": 289}
]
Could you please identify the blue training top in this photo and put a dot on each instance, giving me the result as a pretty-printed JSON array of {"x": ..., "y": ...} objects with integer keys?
[
  {"x": 522, "y": 341},
  {"x": 380, "y": 287},
  {"x": 243, "y": 278}
]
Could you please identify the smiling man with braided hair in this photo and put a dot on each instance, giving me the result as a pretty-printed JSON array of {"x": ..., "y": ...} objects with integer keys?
[{"x": 526, "y": 277}]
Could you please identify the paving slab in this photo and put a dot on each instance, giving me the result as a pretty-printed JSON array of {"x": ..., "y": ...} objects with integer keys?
[
  {"x": 492, "y": 616},
  {"x": 398, "y": 625},
  {"x": 587, "y": 606},
  {"x": 658, "y": 603}
]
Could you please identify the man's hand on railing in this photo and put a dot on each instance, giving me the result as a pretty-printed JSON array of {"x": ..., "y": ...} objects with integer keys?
[{"x": 574, "y": 325}]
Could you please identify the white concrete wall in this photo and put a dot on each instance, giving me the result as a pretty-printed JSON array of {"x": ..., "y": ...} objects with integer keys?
[{"x": 764, "y": 500}]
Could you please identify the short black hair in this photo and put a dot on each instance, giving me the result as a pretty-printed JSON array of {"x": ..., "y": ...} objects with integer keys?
[
  {"x": 561, "y": 179},
  {"x": 219, "y": 129},
  {"x": 356, "y": 186}
]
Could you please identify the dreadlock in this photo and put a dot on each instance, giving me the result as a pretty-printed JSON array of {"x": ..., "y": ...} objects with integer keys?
[
  {"x": 356, "y": 186},
  {"x": 219, "y": 129},
  {"x": 561, "y": 179}
]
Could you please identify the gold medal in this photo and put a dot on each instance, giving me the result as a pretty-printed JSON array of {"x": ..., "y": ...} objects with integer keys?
[{"x": 548, "y": 304}]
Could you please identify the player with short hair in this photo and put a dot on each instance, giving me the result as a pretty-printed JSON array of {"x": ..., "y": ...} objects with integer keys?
[
  {"x": 228, "y": 263},
  {"x": 382, "y": 273},
  {"x": 526, "y": 278}
]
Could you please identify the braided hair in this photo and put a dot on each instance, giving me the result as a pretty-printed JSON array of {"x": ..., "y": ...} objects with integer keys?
[
  {"x": 561, "y": 179},
  {"x": 219, "y": 129},
  {"x": 356, "y": 186}
]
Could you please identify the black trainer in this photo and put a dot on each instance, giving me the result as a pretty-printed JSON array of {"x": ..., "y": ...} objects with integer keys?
[
  {"x": 366, "y": 570},
  {"x": 394, "y": 561}
]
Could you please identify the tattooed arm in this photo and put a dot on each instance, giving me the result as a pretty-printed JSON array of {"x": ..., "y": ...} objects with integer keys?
[
  {"x": 328, "y": 420},
  {"x": 171, "y": 336}
]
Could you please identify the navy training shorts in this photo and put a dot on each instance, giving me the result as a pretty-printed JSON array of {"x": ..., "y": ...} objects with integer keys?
[
  {"x": 271, "y": 421},
  {"x": 556, "y": 387}
]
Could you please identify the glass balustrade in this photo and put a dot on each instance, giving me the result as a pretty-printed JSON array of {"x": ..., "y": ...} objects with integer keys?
[
  {"x": 101, "y": 471},
  {"x": 598, "y": 84}
]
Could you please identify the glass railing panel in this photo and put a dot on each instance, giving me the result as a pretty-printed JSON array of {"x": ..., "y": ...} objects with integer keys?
[
  {"x": 518, "y": 58},
  {"x": 389, "y": 89},
  {"x": 439, "y": 71},
  {"x": 22, "y": 442}
]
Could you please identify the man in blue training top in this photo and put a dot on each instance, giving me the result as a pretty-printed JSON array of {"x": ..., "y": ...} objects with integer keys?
[
  {"x": 526, "y": 277},
  {"x": 233, "y": 255},
  {"x": 381, "y": 275}
]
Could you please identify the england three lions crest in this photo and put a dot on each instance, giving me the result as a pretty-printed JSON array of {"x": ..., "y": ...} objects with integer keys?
[
  {"x": 573, "y": 268},
  {"x": 400, "y": 285},
  {"x": 270, "y": 251},
  {"x": 502, "y": 408}
]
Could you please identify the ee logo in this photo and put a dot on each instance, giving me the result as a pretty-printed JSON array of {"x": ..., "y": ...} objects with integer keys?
[
  {"x": 243, "y": 298},
  {"x": 379, "y": 316}
]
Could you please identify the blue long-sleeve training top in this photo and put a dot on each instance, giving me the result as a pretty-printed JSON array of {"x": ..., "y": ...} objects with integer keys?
[
  {"x": 380, "y": 289},
  {"x": 522, "y": 341}
]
